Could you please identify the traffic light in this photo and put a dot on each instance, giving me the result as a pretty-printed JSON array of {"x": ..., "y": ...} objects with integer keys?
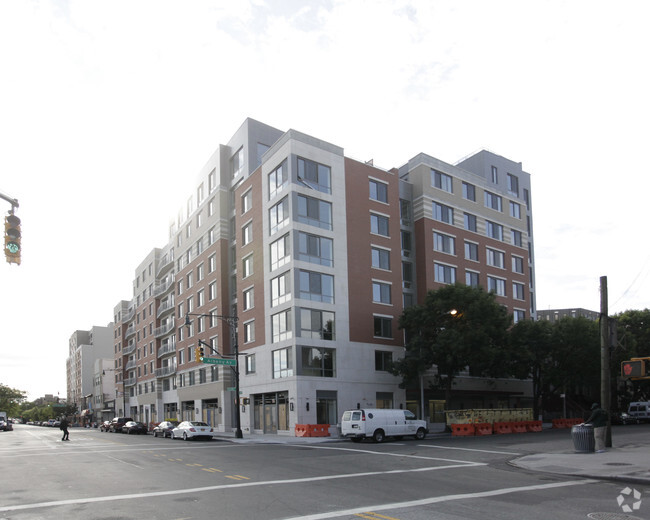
[
  {"x": 633, "y": 368},
  {"x": 201, "y": 352},
  {"x": 12, "y": 239}
]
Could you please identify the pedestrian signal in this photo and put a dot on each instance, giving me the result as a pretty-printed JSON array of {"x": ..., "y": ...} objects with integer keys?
[{"x": 633, "y": 368}]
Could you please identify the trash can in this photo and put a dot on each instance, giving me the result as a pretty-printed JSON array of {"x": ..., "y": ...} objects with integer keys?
[{"x": 583, "y": 438}]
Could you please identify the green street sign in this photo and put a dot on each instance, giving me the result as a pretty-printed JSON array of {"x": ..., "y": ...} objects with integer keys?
[{"x": 219, "y": 361}]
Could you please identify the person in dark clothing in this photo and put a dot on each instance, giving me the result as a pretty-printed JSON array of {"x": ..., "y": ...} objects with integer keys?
[
  {"x": 64, "y": 427},
  {"x": 598, "y": 419}
]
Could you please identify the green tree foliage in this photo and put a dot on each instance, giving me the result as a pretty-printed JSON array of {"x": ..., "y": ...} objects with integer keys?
[
  {"x": 633, "y": 332},
  {"x": 474, "y": 336},
  {"x": 10, "y": 399}
]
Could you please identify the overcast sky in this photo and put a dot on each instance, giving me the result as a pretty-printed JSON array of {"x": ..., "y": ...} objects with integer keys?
[{"x": 109, "y": 109}]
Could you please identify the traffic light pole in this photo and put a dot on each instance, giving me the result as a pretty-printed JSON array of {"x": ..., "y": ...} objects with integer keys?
[
  {"x": 13, "y": 202},
  {"x": 605, "y": 385},
  {"x": 232, "y": 323}
]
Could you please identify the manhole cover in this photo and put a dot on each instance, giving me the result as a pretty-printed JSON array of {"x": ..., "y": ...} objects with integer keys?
[{"x": 612, "y": 516}]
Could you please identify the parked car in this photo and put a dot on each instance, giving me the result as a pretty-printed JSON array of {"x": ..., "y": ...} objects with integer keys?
[
  {"x": 377, "y": 424},
  {"x": 164, "y": 429},
  {"x": 133, "y": 427},
  {"x": 192, "y": 429},
  {"x": 5, "y": 425},
  {"x": 622, "y": 418},
  {"x": 117, "y": 423},
  {"x": 105, "y": 426}
]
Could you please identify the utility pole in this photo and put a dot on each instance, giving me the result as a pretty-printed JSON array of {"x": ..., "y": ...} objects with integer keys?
[{"x": 605, "y": 388}]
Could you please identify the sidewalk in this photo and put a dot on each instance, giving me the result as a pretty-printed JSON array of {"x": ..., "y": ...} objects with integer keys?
[{"x": 626, "y": 463}]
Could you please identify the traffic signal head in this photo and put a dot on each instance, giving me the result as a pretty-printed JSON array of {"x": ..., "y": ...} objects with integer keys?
[
  {"x": 12, "y": 239},
  {"x": 201, "y": 351},
  {"x": 633, "y": 368},
  {"x": 197, "y": 353}
]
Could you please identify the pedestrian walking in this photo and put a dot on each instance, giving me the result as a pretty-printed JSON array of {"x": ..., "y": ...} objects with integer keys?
[
  {"x": 598, "y": 419},
  {"x": 64, "y": 428}
]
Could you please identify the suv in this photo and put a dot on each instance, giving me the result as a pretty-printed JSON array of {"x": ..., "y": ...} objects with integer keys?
[{"x": 117, "y": 423}]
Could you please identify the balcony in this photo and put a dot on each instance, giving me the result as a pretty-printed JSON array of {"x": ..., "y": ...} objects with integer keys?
[
  {"x": 130, "y": 331},
  {"x": 166, "y": 371},
  {"x": 131, "y": 381},
  {"x": 169, "y": 348},
  {"x": 130, "y": 313},
  {"x": 129, "y": 349},
  {"x": 165, "y": 329},
  {"x": 131, "y": 364},
  {"x": 163, "y": 287},
  {"x": 166, "y": 263},
  {"x": 165, "y": 307}
]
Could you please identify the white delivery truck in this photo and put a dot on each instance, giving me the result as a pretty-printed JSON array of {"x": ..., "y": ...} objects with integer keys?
[
  {"x": 639, "y": 411},
  {"x": 377, "y": 424}
]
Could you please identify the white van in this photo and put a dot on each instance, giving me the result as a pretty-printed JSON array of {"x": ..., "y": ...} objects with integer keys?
[
  {"x": 639, "y": 411},
  {"x": 378, "y": 424}
]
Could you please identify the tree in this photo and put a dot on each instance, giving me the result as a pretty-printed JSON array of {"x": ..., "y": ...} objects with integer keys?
[
  {"x": 456, "y": 327},
  {"x": 10, "y": 399},
  {"x": 532, "y": 346}
]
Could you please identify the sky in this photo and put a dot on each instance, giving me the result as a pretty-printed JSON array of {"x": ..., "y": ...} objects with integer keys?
[{"x": 109, "y": 109}]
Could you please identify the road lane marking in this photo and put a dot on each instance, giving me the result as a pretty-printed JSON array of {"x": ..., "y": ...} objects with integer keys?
[
  {"x": 134, "y": 496},
  {"x": 468, "y": 449},
  {"x": 390, "y": 454},
  {"x": 374, "y": 516},
  {"x": 237, "y": 477},
  {"x": 444, "y": 498},
  {"x": 212, "y": 470}
]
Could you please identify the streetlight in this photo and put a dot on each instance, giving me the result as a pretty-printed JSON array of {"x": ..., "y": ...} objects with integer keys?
[{"x": 232, "y": 323}]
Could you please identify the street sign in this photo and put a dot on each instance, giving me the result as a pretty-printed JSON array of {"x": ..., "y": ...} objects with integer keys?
[{"x": 219, "y": 361}]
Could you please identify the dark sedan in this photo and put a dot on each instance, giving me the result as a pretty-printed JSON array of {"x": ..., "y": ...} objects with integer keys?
[
  {"x": 133, "y": 427},
  {"x": 164, "y": 429}
]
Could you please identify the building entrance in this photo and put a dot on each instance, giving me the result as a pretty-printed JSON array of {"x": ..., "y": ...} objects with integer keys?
[{"x": 271, "y": 412}]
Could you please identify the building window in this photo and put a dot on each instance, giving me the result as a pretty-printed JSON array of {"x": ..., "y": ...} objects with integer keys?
[
  {"x": 318, "y": 361},
  {"x": 316, "y": 324},
  {"x": 493, "y": 201},
  {"x": 247, "y": 201},
  {"x": 212, "y": 291},
  {"x": 212, "y": 180},
  {"x": 249, "y": 298},
  {"x": 443, "y": 213},
  {"x": 314, "y": 212},
  {"x": 281, "y": 326},
  {"x": 315, "y": 175},
  {"x": 495, "y": 175},
  {"x": 444, "y": 243},
  {"x": 518, "y": 315},
  {"x": 383, "y": 360},
  {"x": 315, "y": 249},
  {"x": 282, "y": 363},
  {"x": 212, "y": 263},
  {"x": 407, "y": 274},
  {"x": 471, "y": 278},
  {"x": 280, "y": 252},
  {"x": 381, "y": 293},
  {"x": 247, "y": 266},
  {"x": 442, "y": 181},
  {"x": 379, "y": 224},
  {"x": 513, "y": 184},
  {"x": 279, "y": 216},
  {"x": 281, "y": 289},
  {"x": 247, "y": 234},
  {"x": 405, "y": 212},
  {"x": 214, "y": 373},
  {"x": 383, "y": 327},
  {"x": 515, "y": 209},
  {"x": 518, "y": 291},
  {"x": 237, "y": 162},
  {"x": 494, "y": 230},
  {"x": 278, "y": 180},
  {"x": 316, "y": 286},
  {"x": 249, "y": 331},
  {"x": 444, "y": 273},
  {"x": 378, "y": 191},
  {"x": 200, "y": 298},
  {"x": 471, "y": 251},
  {"x": 495, "y": 258},
  {"x": 202, "y": 376},
  {"x": 469, "y": 191},
  {"x": 406, "y": 243},
  {"x": 516, "y": 237},
  {"x": 497, "y": 285},
  {"x": 250, "y": 364},
  {"x": 517, "y": 264},
  {"x": 380, "y": 258}
]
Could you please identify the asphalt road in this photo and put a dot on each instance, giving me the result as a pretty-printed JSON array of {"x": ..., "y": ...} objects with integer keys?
[{"x": 113, "y": 476}]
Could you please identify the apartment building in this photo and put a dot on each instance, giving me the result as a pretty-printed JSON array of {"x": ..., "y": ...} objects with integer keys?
[{"x": 301, "y": 260}]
